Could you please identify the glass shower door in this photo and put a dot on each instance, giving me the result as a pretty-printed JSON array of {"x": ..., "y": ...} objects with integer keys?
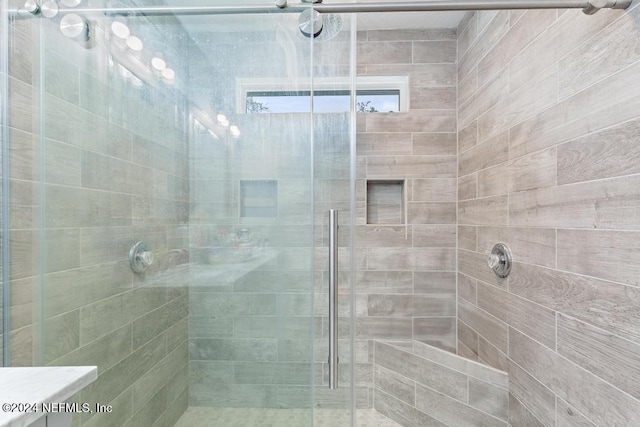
[
  {"x": 151, "y": 132},
  {"x": 268, "y": 215},
  {"x": 250, "y": 330}
]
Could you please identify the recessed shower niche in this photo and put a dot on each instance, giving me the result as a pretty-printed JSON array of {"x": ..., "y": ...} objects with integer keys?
[
  {"x": 258, "y": 199},
  {"x": 385, "y": 202}
]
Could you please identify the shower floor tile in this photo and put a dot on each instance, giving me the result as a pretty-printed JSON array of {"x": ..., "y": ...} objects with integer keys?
[{"x": 199, "y": 416}]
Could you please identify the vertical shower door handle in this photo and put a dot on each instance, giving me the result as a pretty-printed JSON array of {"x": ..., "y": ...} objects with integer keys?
[{"x": 333, "y": 299}]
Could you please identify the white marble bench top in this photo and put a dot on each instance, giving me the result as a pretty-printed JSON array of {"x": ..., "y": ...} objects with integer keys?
[{"x": 39, "y": 385}]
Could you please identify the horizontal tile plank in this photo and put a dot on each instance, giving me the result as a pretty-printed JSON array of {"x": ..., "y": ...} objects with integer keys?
[
  {"x": 435, "y": 144},
  {"x": 535, "y": 170},
  {"x": 489, "y": 153},
  {"x": 468, "y": 187},
  {"x": 489, "y": 398},
  {"x": 412, "y": 121},
  {"x": 610, "y": 357},
  {"x": 486, "y": 211},
  {"x": 534, "y": 395},
  {"x": 602, "y": 105},
  {"x": 433, "y": 190},
  {"x": 423, "y": 371},
  {"x": 434, "y": 52},
  {"x": 383, "y": 143},
  {"x": 384, "y": 52},
  {"x": 443, "y": 236},
  {"x": 607, "y": 305},
  {"x": 467, "y": 237},
  {"x": 490, "y": 327},
  {"x": 598, "y": 400},
  {"x": 532, "y": 319},
  {"x": 431, "y": 213},
  {"x": 610, "y": 255},
  {"x": 403, "y": 167},
  {"x": 609, "y": 153},
  {"x": 432, "y": 75},
  {"x": 409, "y": 305},
  {"x": 452, "y": 412},
  {"x": 613, "y": 203}
]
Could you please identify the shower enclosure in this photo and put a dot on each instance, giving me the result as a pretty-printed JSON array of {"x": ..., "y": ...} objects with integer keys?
[
  {"x": 126, "y": 128},
  {"x": 181, "y": 203}
]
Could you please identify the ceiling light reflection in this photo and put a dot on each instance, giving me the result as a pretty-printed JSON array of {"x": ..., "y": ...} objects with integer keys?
[
  {"x": 120, "y": 28},
  {"x": 158, "y": 63},
  {"x": 135, "y": 44},
  {"x": 168, "y": 74}
]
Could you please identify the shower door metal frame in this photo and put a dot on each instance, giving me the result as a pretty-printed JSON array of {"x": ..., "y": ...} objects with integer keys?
[
  {"x": 588, "y": 6},
  {"x": 4, "y": 194}
]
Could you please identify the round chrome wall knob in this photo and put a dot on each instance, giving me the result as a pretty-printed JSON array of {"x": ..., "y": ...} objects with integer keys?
[
  {"x": 140, "y": 258},
  {"x": 499, "y": 260}
]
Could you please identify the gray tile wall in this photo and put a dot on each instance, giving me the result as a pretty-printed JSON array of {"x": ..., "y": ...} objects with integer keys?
[
  {"x": 111, "y": 171},
  {"x": 417, "y": 384},
  {"x": 548, "y": 163},
  {"x": 406, "y": 277}
]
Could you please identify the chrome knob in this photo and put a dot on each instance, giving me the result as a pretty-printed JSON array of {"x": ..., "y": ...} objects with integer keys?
[
  {"x": 140, "y": 258},
  {"x": 500, "y": 260},
  {"x": 145, "y": 258},
  {"x": 49, "y": 9},
  {"x": 310, "y": 23},
  {"x": 32, "y": 7},
  {"x": 494, "y": 260},
  {"x": 74, "y": 27}
]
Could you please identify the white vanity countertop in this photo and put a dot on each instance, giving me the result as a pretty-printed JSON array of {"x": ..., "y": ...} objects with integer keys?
[{"x": 39, "y": 385}]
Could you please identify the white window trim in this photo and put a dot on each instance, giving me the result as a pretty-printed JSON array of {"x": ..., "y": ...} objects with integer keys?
[{"x": 244, "y": 86}]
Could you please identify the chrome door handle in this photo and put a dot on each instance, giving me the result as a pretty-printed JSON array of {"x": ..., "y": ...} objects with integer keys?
[{"x": 333, "y": 299}]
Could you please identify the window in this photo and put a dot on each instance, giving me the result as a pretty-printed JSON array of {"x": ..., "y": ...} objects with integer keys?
[
  {"x": 326, "y": 101},
  {"x": 373, "y": 94}
]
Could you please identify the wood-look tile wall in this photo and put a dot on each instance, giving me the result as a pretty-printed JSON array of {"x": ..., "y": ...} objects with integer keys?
[
  {"x": 418, "y": 384},
  {"x": 110, "y": 171},
  {"x": 406, "y": 282},
  {"x": 549, "y": 149}
]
